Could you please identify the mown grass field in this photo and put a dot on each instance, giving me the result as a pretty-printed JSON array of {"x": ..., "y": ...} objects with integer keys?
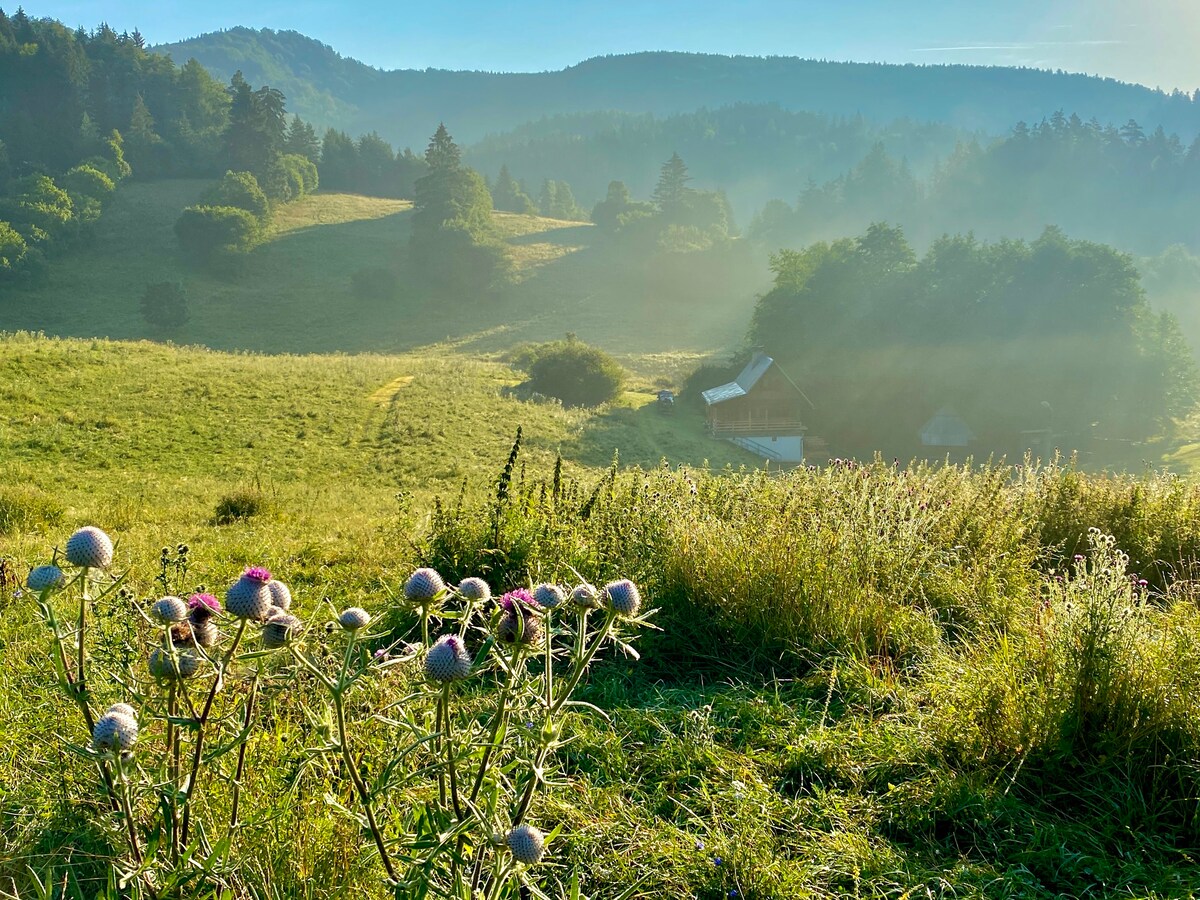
[{"x": 870, "y": 681}]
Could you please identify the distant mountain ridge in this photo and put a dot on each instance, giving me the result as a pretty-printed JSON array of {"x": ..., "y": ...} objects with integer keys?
[{"x": 406, "y": 105}]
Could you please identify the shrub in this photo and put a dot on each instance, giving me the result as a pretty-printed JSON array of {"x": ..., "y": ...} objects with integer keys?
[
  {"x": 575, "y": 373},
  {"x": 241, "y": 191},
  {"x": 244, "y": 503},
  {"x": 290, "y": 177},
  {"x": 87, "y": 181},
  {"x": 207, "y": 233},
  {"x": 165, "y": 304},
  {"x": 12, "y": 250}
]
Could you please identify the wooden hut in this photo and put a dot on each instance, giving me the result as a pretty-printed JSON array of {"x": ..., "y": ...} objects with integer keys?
[{"x": 759, "y": 410}]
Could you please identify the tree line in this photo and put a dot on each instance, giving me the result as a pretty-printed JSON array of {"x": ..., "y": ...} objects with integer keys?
[
  {"x": 1117, "y": 185},
  {"x": 1052, "y": 335}
]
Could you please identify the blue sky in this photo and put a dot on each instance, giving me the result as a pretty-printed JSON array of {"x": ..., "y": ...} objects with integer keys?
[{"x": 1152, "y": 41}]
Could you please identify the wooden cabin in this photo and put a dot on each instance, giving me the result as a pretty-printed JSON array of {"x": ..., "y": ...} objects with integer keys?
[{"x": 759, "y": 410}]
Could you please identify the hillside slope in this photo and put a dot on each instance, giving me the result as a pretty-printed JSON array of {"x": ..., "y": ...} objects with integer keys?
[
  {"x": 405, "y": 106},
  {"x": 295, "y": 292}
]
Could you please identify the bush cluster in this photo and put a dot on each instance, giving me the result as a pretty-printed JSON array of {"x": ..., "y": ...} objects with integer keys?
[{"x": 572, "y": 371}]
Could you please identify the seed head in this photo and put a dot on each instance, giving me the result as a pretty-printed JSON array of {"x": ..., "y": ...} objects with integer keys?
[
  {"x": 90, "y": 547},
  {"x": 114, "y": 732},
  {"x": 423, "y": 585},
  {"x": 180, "y": 634},
  {"x": 354, "y": 618},
  {"x": 164, "y": 664},
  {"x": 168, "y": 610},
  {"x": 279, "y": 630},
  {"x": 475, "y": 589},
  {"x": 447, "y": 660},
  {"x": 249, "y": 597},
  {"x": 123, "y": 709},
  {"x": 281, "y": 597},
  {"x": 549, "y": 595},
  {"x": 526, "y": 844},
  {"x": 622, "y": 597},
  {"x": 44, "y": 577},
  {"x": 584, "y": 596}
]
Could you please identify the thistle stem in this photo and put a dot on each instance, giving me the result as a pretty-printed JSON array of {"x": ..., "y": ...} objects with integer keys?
[
  {"x": 498, "y": 722},
  {"x": 364, "y": 795},
  {"x": 203, "y": 720},
  {"x": 449, "y": 740},
  {"x": 241, "y": 763}
]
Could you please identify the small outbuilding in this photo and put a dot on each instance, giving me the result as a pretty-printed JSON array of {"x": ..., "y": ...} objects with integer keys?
[
  {"x": 946, "y": 428},
  {"x": 759, "y": 411}
]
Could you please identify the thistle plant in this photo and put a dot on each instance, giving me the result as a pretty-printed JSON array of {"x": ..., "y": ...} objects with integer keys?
[{"x": 470, "y": 781}]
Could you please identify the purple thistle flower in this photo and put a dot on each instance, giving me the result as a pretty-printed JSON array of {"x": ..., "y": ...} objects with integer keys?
[
  {"x": 258, "y": 573},
  {"x": 204, "y": 600}
]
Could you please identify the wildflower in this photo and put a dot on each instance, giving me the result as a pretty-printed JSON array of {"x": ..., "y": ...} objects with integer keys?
[
  {"x": 167, "y": 665},
  {"x": 281, "y": 596},
  {"x": 622, "y": 597},
  {"x": 354, "y": 618},
  {"x": 526, "y": 844},
  {"x": 549, "y": 595},
  {"x": 423, "y": 585},
  {"x": 519, "y": 622},
  {"x": 279, "y": 630},
  {"x": 203, "y": 607},
  {"x": 89, "y": 547},
  {"x": 585, "y": 596},
  {"x": 114, "y": 731},
  {"x": 447, "y": 660},
  {"x": 44, "y": 577},
  {"x": 249, "y": 597},
  {"x": 168, "y": 610},
  {"x": 475, "y": 589}
]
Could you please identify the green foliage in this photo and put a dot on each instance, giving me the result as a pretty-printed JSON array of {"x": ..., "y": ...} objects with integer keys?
[
  {"x": 12, "y": 250},
  {"x": 87, "y": 181},
  {"x": 214, "y": 234},
  {"x": 27, "y": 509},
  {"x": 291, "y": 177},
  {"x": 1052, "y": 335},
  {"x": 508, "y": 196},
  {"x": 575, "y": 373},
  {"x": 165, "y": 304},
  {"x": 241, "y": 190},
  {"x": 242, "y": 504},
  {"x": 453, "y": 243}
]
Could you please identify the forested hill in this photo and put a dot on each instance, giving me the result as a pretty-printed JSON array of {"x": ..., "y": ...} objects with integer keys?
[{"x": 404, "y": 106}]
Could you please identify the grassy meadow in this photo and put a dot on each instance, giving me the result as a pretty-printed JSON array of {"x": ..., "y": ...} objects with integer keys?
[
  {"x": 869, "y": 681},
  {"x": 294, "y": 292}
]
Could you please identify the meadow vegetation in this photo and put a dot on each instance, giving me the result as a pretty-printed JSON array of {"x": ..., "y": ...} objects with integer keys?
[{"x": 889, "y": 680}]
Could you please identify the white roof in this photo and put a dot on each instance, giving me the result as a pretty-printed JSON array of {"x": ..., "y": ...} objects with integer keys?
[{"x": 742, "y": 385}]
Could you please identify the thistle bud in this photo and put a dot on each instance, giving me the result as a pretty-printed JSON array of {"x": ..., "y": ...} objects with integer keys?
[
  {"x": 549, "y": 595},
  {"x": 475, "y": 589},
  {"x": 114, "y": 732},
  {"x": 585, "y": 596},
  {"x": 526, "y": 844},
  {"x": 281, "y": 595},
  {"x": 168, "y": 666},
  {"x": 423, "y": 585},
  {"x": 44, "y": 577},
  {"x": 249, "y": 597},
  {"x": 89, "y": 547},
  {"x": 168, "y": 610},
  {"x": 447, "y": 660},
  {"x": 354, "y": 618},
  {"x": 279, "y": 630},
  {"x": 622, "y": 597}
]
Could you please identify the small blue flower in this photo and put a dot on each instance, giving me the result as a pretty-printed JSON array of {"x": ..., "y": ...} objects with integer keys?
[
  {"x": 716, "y": 860},
  {"x": 733, "y": 894},
  {"x": 699, "y": 845}
]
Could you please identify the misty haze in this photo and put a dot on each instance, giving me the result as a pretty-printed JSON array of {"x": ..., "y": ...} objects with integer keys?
[{"x": 600, "y": 450}]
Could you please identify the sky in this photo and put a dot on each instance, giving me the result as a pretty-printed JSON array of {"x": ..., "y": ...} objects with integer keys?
[{"x": 1152, "y": 42}]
